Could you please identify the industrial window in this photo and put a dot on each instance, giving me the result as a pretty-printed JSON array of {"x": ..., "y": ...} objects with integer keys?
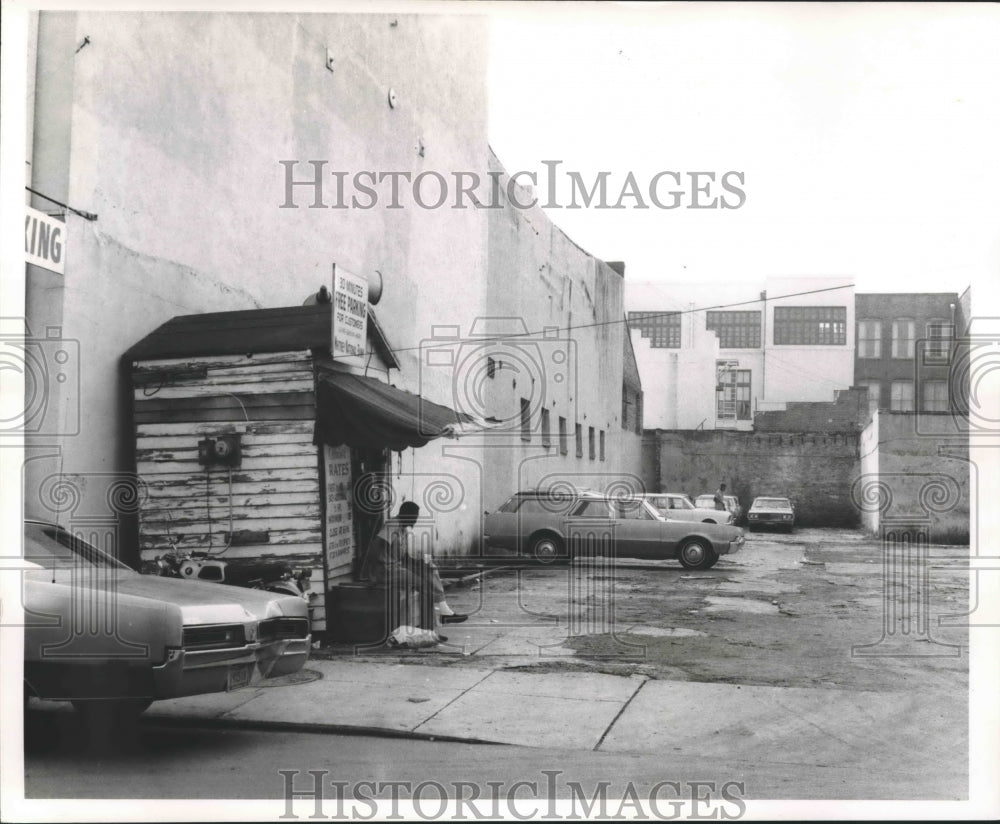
[
  {"x": 810, "y": 325},
  {"x": 525, "y": 420},
  {"x": 939, "y": 334},
  {"x": 592, "y": 451},
  {"x": 902, "y": 338},
  {"x": 491, "y": 368},
  {"x": 563, "y": 437},
  {"x": 663, "y": 328},
  {"x": 546, "y": 429},
  {"x": 901, "y": 399},
  {"x": 736, "y": 330},
  {"x": 874, "y": 394},
  {"x": 870, "y": 339},
  {"x": 935, "y": 396},
  {"x": 602, "y": 444},
  {"x": 732, "y": 394},
  {"x": 579, "y": 441}
]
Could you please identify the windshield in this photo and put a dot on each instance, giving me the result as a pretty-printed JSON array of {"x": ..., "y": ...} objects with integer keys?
[
  {"x": 704, "y": 500},
  {"x": 52, "y": 547},
  {"x": 773, "y": 503}
]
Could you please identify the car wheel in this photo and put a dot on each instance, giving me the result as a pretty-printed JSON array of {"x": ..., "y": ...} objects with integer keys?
[
  {"x": 696, "y": 554},
  {"x": 548, "y": 549}
]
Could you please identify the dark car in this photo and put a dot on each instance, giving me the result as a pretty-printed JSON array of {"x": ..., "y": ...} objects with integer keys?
[
  {"x": 775, "y": 512},
  {"x": 99, "y": 633},
  {"x": 550, "y": 526}
]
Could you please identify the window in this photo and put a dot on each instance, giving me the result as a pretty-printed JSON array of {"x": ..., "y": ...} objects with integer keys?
[
  {"x": 491, "y": 368},
  {"x": 563, "y": 437},
  {"x": 810, "y": 325},
  {"x": 579, "y": 441},
  {"x": 732, "y": 394},
  {"x": 546, "y": 429},
  {"x": 593, "y": 509},
  {"x": 736, "y": 330},
  {"x": 874, "y": 395},
  {"x": 939, "y": 334},
  {"x": 602, "y": 444},
  {"x": 902, "y": 338},
  {"x": 663, "y": 328},
  {"x": 525, "y": 420},
  {"x": 870, "y": 339},
  {"x": 632, "y": 510},
  {"x": 902, "y": 396},
  {"x": 936, "y": 396},
  {"x": 592, "y": 452}
]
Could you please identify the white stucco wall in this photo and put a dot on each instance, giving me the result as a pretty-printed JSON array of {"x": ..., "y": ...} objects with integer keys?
[
  {"x": 680, "y": 383},
  {"x": 170, "y": 127}
]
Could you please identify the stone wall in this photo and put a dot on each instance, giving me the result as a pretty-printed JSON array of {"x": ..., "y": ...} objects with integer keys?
[{"x": 815, "y": 470}]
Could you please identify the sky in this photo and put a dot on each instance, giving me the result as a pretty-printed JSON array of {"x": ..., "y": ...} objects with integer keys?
[{"x": 867, "y": 135}]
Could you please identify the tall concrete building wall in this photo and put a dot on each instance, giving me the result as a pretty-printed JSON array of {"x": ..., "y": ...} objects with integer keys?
[{"x": 171, "y": 128}]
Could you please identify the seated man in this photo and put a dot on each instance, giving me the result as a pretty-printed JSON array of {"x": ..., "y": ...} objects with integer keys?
[{"x": 390, "y": 562}]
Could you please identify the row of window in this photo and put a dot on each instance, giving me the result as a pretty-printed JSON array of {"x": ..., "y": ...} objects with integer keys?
[
  {"x": 939, "y": 334},
  {"x": 935, "y": 396},
  {"x": 797, "y": 326},
  {"x": 595, "y": 438},
  {"x": 793, "y": 326}
]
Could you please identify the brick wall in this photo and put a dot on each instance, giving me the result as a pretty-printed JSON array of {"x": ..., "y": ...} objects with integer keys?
[
  {"x": 816, "y": 470},
  {"x": 847, "y": 413}
]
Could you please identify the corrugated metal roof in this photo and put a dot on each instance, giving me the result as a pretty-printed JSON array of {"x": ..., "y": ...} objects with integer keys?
[{"x": 248, "y": 331}]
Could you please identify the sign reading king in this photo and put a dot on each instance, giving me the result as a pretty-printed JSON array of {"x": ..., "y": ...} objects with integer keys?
[
  {"x": 350, "y": 314},
  {"x": 44, "y": 241}
]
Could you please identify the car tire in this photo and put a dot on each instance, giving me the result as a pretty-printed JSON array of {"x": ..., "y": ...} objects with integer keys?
[
  {"x": 709, "y": 521},
  {"x": 548, "y": 549},
  {"x": 695, "y": 553}
]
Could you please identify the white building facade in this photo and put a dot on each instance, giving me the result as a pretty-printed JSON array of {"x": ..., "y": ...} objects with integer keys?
[{"x": 710, "y": 355}]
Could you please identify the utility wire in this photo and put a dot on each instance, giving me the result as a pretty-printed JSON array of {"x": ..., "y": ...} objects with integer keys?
[{"x": 488, "y": 339}]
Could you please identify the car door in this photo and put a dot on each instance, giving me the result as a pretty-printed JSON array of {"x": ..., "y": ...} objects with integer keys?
[{"x": 638, "y": 534}]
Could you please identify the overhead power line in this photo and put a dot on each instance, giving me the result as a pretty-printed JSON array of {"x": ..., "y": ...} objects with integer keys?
[{"x": 549, "y": 329}]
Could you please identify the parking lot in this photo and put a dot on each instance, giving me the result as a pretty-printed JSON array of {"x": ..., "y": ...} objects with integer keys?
[{"x": 806, "y": 609}]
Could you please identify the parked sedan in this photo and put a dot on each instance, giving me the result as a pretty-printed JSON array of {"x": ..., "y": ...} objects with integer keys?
[
  {"x": 552, "y": 526},
  {"x": 97, "y": 633},
  {"x": 732, "y": 505},
  {"x": 676, "y": 506},
  {"x": 773, "y": 512}
]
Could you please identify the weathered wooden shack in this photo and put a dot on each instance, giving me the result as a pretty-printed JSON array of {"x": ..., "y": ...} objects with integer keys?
[{"x": 255, "y": 445}]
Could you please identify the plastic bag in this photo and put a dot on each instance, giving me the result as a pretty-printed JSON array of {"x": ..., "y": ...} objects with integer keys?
[{"x": 413, "y": 637}]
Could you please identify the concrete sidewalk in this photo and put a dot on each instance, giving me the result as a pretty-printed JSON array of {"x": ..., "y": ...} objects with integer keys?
[{"x": 588, "y": 711}]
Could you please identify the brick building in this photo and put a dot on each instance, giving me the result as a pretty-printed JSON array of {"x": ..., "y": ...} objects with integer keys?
[{"x": 903, "y": 350}]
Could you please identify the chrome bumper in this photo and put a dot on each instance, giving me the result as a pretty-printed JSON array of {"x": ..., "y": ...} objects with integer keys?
[{"x": 188, "y": 672}]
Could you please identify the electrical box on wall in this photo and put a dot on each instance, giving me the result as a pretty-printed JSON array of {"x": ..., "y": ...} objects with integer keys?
[{"x": 223, "y": 450}]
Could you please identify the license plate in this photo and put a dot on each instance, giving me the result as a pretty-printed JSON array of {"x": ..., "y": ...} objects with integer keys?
[{"x": 239, "y": 676}]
